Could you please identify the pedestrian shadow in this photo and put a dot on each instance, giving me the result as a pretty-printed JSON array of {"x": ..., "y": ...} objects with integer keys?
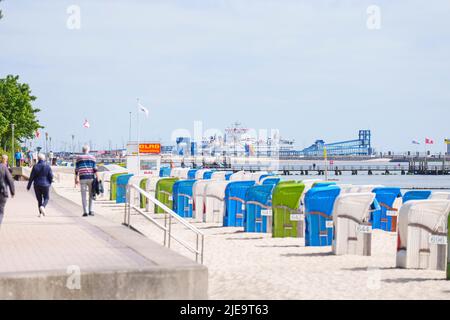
[
  {"x": 280, "y": 246},
  {"x": 368, "y": 268},
  {"x": 411, "y": 280},
  {"x": 256, "y": 238},
  {"x": 316, "y": 254},
  {"x": 212, "y": 227}
]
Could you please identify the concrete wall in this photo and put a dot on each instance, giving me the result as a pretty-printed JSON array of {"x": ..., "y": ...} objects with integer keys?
[{"x": 152, "y": 283}]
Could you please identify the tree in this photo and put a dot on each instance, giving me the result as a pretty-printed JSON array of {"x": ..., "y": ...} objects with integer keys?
[{"x": 16, "y": 107}]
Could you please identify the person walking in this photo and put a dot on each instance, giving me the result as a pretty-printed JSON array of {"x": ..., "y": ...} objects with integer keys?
[
  {"x": 85, "y": 172},
  {"x": 42, "y": 177},
  {"x": 6, "y": 182},
  {"x": 18, "y": 157},
  {"x": 30, "y": 158},
  {"x": 35, "y": 157},
  {"x": 50, "y": 157}
]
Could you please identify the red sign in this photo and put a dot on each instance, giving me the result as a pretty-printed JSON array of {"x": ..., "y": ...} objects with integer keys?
[{"x": 150, "y": 148}]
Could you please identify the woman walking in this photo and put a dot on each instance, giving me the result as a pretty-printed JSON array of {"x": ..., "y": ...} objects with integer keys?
[{"x": 42, "y": 176}]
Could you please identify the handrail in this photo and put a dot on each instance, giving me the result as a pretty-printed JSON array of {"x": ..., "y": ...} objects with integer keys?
[{"x": 166, "y": 228}]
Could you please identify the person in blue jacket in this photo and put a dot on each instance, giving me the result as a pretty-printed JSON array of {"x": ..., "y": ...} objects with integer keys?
[{"x": 42, "y": 177}]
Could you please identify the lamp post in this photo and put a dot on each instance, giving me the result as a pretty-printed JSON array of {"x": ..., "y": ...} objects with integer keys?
[{"x": 12, "y": 145}]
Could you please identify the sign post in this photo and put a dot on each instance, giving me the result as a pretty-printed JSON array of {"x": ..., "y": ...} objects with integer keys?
[{"x": 325, "y": 156}]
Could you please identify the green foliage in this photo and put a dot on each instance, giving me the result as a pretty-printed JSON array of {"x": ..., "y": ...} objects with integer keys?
[{"x": 16, "y": 107}]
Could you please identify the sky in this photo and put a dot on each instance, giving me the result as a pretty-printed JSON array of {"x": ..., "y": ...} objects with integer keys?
[{"x": 311, "y": 69}]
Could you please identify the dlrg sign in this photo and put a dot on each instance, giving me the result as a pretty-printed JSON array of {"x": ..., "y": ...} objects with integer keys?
[{"x": 150, "y": 148}]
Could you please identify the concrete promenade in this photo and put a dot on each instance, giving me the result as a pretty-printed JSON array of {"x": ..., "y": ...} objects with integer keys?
[{"x": 66, "y": 256}]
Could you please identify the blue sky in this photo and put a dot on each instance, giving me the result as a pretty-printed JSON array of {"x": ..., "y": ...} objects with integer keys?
[{"x": 311, "y": 69}]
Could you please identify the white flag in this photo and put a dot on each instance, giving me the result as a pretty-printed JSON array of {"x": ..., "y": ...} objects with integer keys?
[{"x": 143, "y": 109}]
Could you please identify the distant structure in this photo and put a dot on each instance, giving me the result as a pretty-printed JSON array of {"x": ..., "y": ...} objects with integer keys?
[{"x": 358, "y": 147}]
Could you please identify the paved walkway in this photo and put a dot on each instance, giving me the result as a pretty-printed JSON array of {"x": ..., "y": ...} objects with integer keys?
[{"x": 62, "y": 239}]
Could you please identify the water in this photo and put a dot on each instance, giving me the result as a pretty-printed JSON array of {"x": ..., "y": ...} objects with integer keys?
[{"x": 394, "y": 180}]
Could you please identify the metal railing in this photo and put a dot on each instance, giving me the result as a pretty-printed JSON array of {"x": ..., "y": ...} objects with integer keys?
[{"x": 169, "y": 216}]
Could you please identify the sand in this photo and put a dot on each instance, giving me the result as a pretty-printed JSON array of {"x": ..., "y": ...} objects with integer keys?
[{"x": 256, "y": 266}]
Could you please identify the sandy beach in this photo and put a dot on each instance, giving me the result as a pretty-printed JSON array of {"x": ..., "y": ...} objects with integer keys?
[{"x": 256, "y": 266}]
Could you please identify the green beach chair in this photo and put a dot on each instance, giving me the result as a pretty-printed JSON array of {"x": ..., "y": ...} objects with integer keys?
[
  {"x": 143, "y": 186},
  {"x": 113, "y": 188},
  {"x": 164, "y": 193},
  {"x": 288, "y": 221}
]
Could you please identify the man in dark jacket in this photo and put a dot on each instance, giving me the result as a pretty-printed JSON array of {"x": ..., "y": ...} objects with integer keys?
[
  {"x": 6, "y": 181},
  {"x": 42, "y": 176}
]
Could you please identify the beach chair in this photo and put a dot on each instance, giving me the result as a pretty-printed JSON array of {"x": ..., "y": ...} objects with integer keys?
[
  {"x": 240, "y": 176},
  {"x": 164, "y": 193},
  {"x": 220, "y": 175},
  {"x": 198, "y": 192},
  {"x": 288, "y": 215},
  {"x": 113, "y": 185},
  {"x": 215, "y": 201},
  {"x": 191, "y": 174},
  {"x": 164, "y": 172},
  {"x": 319, "y": 204},
  {"x": 440, "y": 196},
  {"x": 416, "y": 195},
  {"x": 322, "y": 184},
  {"x": 235, "y": 193},
  {"x": 423, "y": 234},
  {"x": 180, "y": 173},
  {"x": 270, "y": 181},
  {"x": 183, "y": 199},
  {"x": 137, "y": 180},
  {"x": 152, "y": 182},
  {"x": 352, "y": 231},
  {"x": 386, "y": 218},
  {"x": 199, "y": 173},
  {"x": 258, "y": 212},
  {"x": 208, "y": 174},
  {"x": 122, "y": 182}
]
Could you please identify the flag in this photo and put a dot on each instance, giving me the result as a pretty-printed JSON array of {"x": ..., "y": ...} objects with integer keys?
[
  {"x": 447, "y": 141},
  {"x": 86, "y": 124},
  {"x": 143, "y": 109},
  {"x": 429, "y": 141},
  {"x": 37, "y": 134},
  {"x": 415, "y": 142}
]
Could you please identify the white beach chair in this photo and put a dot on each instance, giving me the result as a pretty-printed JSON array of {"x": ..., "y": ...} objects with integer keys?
[
  {"x": 422, "y": 234},
  {"x": 352, "y": 233},
  {"x": 198, "y": 194},
  {"x": 215, "y": 201}
]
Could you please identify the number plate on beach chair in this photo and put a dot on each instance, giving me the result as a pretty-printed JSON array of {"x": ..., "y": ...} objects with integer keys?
[
  {"x": 329, "y": 224},
  {"x": 266, "y": 213},
  {"x": 297, "y": 217},
  {"x": 363, "y": 228},
  {"x": 434, "y": 239},
  {"x": 391, "y": 213},
  {"x": 170, "y": 198}
]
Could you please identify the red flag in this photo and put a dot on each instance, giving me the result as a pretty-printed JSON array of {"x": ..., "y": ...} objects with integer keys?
[
  {"x": 429, "y": 141},
  {"x": 37, "y": 134},
  {"x": 86, "y": 124}
]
